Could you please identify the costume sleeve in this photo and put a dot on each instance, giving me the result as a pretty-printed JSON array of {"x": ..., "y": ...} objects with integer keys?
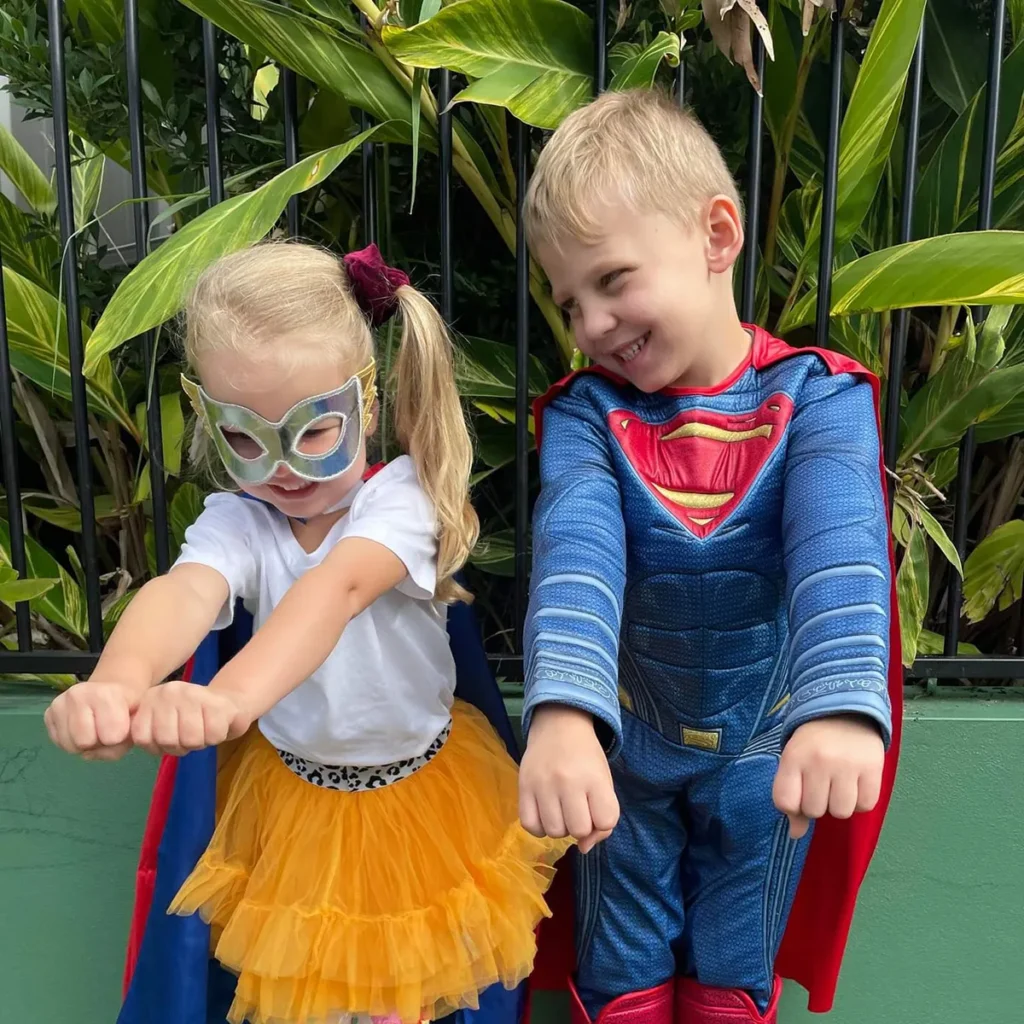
[
  {"x": 579, "y": 552},
  {"x": 836, "y": 550},
  {"x": 223, "y": 538},
  {"x": 394, "y": 510}
]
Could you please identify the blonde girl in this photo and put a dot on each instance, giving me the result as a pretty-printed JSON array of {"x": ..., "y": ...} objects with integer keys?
[{"x": 367, "y": 856}]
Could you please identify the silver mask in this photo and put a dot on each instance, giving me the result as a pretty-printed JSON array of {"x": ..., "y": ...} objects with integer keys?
[{"x": 352, "y": 404}]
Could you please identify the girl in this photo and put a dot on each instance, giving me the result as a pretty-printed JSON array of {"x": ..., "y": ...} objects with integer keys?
[{"x": 368, "y": 856}]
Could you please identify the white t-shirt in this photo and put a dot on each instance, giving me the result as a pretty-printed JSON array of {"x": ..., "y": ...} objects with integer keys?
[{"x": 385, "y": 691}]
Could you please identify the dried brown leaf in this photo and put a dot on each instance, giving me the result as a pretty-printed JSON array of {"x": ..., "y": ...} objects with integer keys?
[{"x": 729, "y": 22}]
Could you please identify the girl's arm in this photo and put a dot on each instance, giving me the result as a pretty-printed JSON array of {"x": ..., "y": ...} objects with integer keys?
[
  {"x": 162, "y": 627},
  {"x": 305, "y": 627}
]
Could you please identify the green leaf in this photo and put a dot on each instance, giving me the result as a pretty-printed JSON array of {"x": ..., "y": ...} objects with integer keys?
[
  {"x": 1005, "y": 423},
  {"x": 931, "y": 644},
  {"x": 496, "y": 442},
  {"x": 942, "y": 540},
  {"x": 69, "y": 517},
  {"x": 970, "y": 388},
  {"x": 869, "y": 125},
  {"x": 640, "y": 70},
  {"x": 26, "y": 249},
  {"x": 337, "y": 12},
  {"x": 316, "y": 51},
  {"x": 24, "y": 175},
  {"x": 13, "y": 589},
  {"x": 105, "y": 19},
  {"x": 419, "y": 77},
  {"x": 185, "y": 508},
  {"x": 994, "y": 570},
  {"x": 62, "y": 605},
  {"x": 86, "y": 180},
  {"x": 172, "y": 429},
  {"x": 947, "y": 194},
  {"x": 533, "y": 57},
  {"x": 912, "y": 592},
  {"x": 156, "y": 287},
  {"x": 956, "y": 54},
  {"x": 37, "y": 332},
  {"x": 977, "y": 268},
  {"x": 487, "y": 369},
  {"x": 113, "y": 612},
  {"x": 496, "y": 553}
]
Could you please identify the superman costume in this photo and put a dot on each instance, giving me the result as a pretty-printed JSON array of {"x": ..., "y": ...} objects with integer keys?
[
  {"x": 712, "y": 569},
  {"x": 170, "y": 974}
]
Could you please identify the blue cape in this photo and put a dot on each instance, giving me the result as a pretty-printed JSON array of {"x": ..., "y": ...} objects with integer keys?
[{"x": 171, "y": 977}]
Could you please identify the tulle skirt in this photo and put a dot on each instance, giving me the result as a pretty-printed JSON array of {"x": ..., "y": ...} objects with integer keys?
[{"x": 403, "y": 902}]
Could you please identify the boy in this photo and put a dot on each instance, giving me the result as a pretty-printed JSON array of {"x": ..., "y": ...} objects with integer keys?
[{"x": 712, "y": 656}]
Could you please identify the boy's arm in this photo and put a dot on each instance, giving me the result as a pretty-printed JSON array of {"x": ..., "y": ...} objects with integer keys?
[
  {"x": 579, "y": 553},
  {"x": 836, "y": 550}
]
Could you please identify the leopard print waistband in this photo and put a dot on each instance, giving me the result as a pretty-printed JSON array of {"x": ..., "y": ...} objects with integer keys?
[{"x": 360, "y": 778}]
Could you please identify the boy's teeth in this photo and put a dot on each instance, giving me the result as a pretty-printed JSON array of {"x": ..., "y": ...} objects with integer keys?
[{"x": 629, "y": 353}]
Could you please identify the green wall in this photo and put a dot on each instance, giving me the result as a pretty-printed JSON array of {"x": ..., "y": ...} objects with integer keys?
[{"x": 938, "y": 938}]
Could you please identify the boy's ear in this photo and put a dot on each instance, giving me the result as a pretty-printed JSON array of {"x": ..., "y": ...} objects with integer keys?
[{"x": 724, "y": 233}]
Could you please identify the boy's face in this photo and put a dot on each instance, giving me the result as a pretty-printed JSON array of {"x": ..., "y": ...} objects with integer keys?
[{"x": 644, "y": 298}]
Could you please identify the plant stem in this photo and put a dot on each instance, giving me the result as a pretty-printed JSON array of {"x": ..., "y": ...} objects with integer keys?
[{"x": 807, "y": 54}]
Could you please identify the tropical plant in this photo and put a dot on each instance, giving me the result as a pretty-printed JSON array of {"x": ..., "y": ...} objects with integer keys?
[{"x": 533, "y": 60}]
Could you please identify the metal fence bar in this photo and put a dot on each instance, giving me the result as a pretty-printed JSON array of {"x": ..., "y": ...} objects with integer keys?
[
  {"x": 140, "y": 193},
  {"x": 831, "y": 179},
  {"x": 291, "y": 140},
  {"x": 69, "y": 263},
  {"x": 215, "y": 170},
  {"x": 681, "y": 77},
  {"x": 901, "y": 318},
  {"x": 9, "y": 445},
  {"x": 965, "y": 460},
  {"x": 522, "y": 497},
  {"x": 600, "y": 46},
  {"x": 444, "y": 199},
  {"x": 41, "y": 662},
  {"x": 755, "y": 159}
]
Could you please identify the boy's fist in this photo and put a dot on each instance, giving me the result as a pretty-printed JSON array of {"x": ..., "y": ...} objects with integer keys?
[
  {"x": 565, "y": 784},
  {"x": 93, "y": 719},
  {"x": 179, "y": 717},
  {"x": 829, "y": 766}
]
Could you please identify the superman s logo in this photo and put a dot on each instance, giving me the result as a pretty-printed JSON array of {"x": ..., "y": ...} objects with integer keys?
[{"x": 701, "y": 464}]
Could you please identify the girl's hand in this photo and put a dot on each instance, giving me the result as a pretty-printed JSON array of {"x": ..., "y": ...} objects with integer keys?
[
  {"x": 93, "y": 719},
  {"x": 178, "y": 717},
  {"x": 565, "y": 784},
  {"x": 829, "y": 766}
]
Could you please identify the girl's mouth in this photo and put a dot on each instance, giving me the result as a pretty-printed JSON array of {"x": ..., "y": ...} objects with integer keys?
[{"x": 293, "y": 492}]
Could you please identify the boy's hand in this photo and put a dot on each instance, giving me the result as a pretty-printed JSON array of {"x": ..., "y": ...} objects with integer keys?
[
  {"x": 565, "y": 784},
  {"x": 93, "y": 719},
  {"x": 831, "y": 765},
  {"x": 179, "y": 717}
]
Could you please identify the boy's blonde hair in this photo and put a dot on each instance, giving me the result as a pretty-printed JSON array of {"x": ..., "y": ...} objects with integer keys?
[
  {"x": 637, "y": 147},
  {"x": 249, "y": 300}
]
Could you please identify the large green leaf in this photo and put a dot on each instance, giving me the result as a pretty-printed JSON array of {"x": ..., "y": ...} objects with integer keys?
[
  {"x": 947, "y": 195},
  {"x": 37, "y": 332},
  {"x": 487, "y": 369},
  {"x": 319, "y": 52},
  {"x": 912, "y": 592},
  {"x": 14, "y": 590},
  {"x": 63, "y": 605},
  {"x": 156, "y": 287},
  {"x": 26, "y": 249},
  {"x": 26, "y": 177},
  {"x": 955, "y": 58},
  {"x": 337, "y": 12},
  {"x": 533, "y": 57},
  {"x": 185, "y": 508},
  {"x": 1005, "y": 423},
  {"x": 978, "y": 268},
  {"x": 869, "y": 125},
  {"x": 105, "y": 19},
  {"x": 496, "y": 553},
  {"x": 639, "y": 69},
  {"x": 86, "y": 180},
  {"x": 172, "y": 430},
  {"x": 930, "y": 644},
  {"x": 67, "y": 516},
  {"x": 970, "y": 388},
  {"x": 994, "y": 570}
]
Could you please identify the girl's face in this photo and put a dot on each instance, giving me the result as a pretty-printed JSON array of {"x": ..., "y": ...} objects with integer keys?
[{"x": 266, "y": 389}]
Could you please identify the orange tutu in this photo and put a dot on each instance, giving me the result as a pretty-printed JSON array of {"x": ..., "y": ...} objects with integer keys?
[{"x": 408, "y": 900}]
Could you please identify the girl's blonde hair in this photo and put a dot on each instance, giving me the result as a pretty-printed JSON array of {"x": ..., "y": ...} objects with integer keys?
[{"x": 249, "y": 300}]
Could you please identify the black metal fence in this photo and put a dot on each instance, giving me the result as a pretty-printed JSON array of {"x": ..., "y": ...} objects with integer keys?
[{"x": 25, "y": 659}]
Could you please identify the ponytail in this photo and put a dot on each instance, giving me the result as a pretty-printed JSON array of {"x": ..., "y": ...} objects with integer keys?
[{"x": 432, "y": 429}]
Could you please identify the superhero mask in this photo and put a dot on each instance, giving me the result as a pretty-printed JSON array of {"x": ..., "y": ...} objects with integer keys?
[
  {"x": 352, "y": 404},
  {"x": 701, "y": 464}
]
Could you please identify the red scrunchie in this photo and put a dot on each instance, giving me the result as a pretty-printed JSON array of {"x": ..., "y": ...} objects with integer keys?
[{"x": 374, "y": 283}]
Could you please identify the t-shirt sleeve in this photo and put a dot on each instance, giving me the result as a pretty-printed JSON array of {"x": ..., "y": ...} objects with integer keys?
[
  {"x": 394, "y": 510},
  {"x": 223, "y": 539}
]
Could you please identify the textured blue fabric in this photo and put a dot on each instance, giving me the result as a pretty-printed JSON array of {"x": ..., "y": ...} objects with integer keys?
[
  {"x": 699, "y": 655},
  {"x": 176, "y": 981}
]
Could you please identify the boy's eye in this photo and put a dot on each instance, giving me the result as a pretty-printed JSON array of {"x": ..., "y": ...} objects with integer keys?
[{"x": 612, "y": 278}]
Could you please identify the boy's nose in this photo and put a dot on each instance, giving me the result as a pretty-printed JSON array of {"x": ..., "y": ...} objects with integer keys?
[{"x": 596, "y": 322}]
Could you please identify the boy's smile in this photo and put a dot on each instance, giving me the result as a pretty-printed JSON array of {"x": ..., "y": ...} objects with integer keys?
[{"x": 650, "y": 300}]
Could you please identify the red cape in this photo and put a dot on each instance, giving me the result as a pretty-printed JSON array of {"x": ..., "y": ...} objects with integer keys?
[{"x": 840, "y": 851}]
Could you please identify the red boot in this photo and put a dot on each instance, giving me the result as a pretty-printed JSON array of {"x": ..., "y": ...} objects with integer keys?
[
  {"x": 701, "y": 1004},
  {"x": 652, "y": 1006}
]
